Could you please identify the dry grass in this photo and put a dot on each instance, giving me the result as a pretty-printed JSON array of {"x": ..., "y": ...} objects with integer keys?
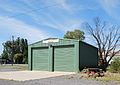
[
  {"x": 110, "y": 77},
  {"x": 15, "y": 66}
]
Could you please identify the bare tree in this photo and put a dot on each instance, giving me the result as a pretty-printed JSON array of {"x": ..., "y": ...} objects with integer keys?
[{"x": 107, "y": 38}]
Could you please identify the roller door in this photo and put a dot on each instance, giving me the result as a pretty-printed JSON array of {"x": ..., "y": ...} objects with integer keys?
[
  {"x": 40, "y": 59},
  {"x": 64, "y": 58}
]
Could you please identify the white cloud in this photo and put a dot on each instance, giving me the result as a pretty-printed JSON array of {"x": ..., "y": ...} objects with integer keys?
[
  {"x": 11, "y": 26},
  {"x": 47, "y": 19},
  {"x": 13, "y": 8},
  {"x": 110, "y": 3},
  {"x": 112, "y": 7},
  {"x": 64, "y": 5},
  {"x": 60, "y": 4},
  {"x": 64, "y": 26},
  {"x": 20, "y": 28}
]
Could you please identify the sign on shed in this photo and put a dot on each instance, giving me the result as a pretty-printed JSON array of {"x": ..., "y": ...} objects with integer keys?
[{"x": 50, "y": 40}]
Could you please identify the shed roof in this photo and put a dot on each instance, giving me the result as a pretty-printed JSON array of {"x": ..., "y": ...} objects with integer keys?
[
  {"x": 54, "y": 38},
  {"x": 62, "y": 39}
]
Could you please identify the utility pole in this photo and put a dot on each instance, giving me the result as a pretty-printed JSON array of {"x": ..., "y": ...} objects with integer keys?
[{"x": 12, "y": 49}]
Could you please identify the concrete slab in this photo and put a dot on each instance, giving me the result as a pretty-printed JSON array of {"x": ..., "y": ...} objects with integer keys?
[{"x": 30, "y": 75}]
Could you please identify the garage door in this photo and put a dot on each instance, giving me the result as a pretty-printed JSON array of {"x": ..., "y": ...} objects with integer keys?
[
  {"x": 64, "y": 58},
  {"x": 40, "y": 59}
]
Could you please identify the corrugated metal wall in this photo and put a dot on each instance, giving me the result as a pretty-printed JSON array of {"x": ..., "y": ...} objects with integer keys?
[
  {"x": 88, "y": 55},
  {"x": 40, "y": 59},
  {"x": 64, "y": 58}
]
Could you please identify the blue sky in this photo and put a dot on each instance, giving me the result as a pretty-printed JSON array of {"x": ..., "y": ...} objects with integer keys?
[{"x": 39, "y": 19}]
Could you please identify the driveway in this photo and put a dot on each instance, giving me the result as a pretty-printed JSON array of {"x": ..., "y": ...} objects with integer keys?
[
  {"x": 47, "y": 78},
  {"x": 59, "y": 80},
  {"x": 30, "y": 75}
]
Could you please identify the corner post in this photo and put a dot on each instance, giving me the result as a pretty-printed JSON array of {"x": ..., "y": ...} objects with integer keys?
[
  {"x": 51, "y": 58},
  {"x": 76, "y": 60},
  {"x": 29, "y": 58}
]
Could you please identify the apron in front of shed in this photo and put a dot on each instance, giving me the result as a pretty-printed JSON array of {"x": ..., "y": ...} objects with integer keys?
[
  {"x": 40, "y": 59},
  {"x": 64, "y": 58}
]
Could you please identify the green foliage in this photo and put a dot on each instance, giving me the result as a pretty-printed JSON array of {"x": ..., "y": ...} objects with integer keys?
[
  {"x": 115, "y": 66},
  {"x": 11, "y": 48},
  {"x": 4, "y": 55},
  {"x": 76, "y": 34},
  {"x": 18, "y": 58}
]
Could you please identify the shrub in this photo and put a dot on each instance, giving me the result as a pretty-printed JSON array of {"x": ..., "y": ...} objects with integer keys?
[
  {"x": 18, "y": 58},
  {"x": 115, "y": 66}
]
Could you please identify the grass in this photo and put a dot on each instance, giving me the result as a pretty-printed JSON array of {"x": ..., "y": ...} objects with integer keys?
[
  {"x": 19, "y": 67},
  {"x": 110, "y": 77}
]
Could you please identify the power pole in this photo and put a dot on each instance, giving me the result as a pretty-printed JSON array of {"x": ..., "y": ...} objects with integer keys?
[{"x": 12, "y": 49}]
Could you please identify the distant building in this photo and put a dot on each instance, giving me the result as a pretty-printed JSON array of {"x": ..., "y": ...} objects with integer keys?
[{"x": 116, "y": 56}]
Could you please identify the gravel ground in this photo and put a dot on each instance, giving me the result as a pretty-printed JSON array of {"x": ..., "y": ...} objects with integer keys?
[{"x": 61, "y": 80}]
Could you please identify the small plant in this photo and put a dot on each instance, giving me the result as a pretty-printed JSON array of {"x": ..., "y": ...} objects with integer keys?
[{"x": 115, "y": 66}]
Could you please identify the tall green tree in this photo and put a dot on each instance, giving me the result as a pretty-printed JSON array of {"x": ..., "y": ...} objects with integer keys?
[
  {"x": 4, "y": 55},
  {"x": 13, "y": 48},
  {"x": 76, "y": 34},
  {"x": 8, "y": 51}
]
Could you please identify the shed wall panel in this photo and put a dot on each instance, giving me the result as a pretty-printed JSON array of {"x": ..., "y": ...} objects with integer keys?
[{"x": 88, "y": 56}]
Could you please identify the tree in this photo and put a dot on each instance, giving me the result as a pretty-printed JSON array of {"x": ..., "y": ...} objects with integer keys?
[
  {"x": 18, "y": 46},
  {"x": 76, "y": 34},
  {"x": 8, "y": 50},
  {"x": 4, "y": 55},
  {"x": 107, "y": 39}
]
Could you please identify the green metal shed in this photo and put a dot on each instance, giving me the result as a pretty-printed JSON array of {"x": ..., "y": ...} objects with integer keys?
[{"x": 55, "y": 54}]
